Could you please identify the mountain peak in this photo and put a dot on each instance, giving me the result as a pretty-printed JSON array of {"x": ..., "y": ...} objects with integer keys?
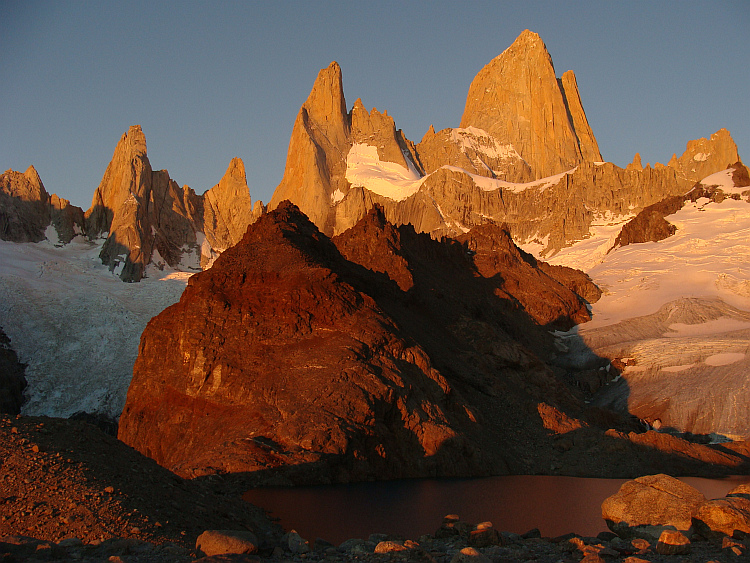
[
  {"x": 518, "y": 100},
  {"x": 326, "y": 104}
]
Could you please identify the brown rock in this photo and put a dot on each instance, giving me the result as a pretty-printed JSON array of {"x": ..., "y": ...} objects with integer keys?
[
  {"x": 148, "y": 218},
  {"x": 672, "y": 542},
  {"x": 470, "y": 555},
  {"x": 650, "y": 225},
  {"x": 729, "y": 516},
  {"x": 518, "y": 100},
  {"x": 316, "y": 161},
  {"x": 485, "y": 537},
  {"x": 346, "y": 357},
  {"x": 647, "y": 506},
  {"x": 218, "y": 542},
  {"x": 390, "y": 547},
  {"x": 228, "y": 209}
]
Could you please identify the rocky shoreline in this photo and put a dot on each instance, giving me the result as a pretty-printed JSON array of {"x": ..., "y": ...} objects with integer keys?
[{"x": 69, "y": 492}]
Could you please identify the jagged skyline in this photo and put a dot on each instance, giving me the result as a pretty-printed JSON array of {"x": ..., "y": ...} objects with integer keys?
[{"x": 211, "y": 83}]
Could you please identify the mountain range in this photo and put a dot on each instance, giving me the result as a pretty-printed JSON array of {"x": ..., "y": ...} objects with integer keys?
[{"x": 420, "y": 289}]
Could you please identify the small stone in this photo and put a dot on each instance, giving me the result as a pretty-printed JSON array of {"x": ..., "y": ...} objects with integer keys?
[
  {"x": 110, "y": 489},
  {"x": 70, "y": 542},
  {"x": 485, "y": 537},
  {"x": 470, "y": 555},
  {"x": 672, "y": 542},
  {"x": 14, "y": 430},
  {"x": 389, "y": 547}
]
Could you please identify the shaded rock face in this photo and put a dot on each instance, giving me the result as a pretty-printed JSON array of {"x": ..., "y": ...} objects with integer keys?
[
  {"x": 379, "y": 353},
  {"x": 147, "y": 218},
  {"x": 12, "y": 379},
  {"x": 290, "y": 352},
  {"x": 26, "y": 210},
  {"x": 518, "y": 100}
]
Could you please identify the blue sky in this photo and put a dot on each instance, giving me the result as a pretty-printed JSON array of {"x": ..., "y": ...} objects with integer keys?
[{"x": 209, "y": 81}]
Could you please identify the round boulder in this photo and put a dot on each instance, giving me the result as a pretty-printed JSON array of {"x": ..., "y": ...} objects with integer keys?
[
  {"x": 646, "y": 506},
  {"x": 220, "y": 542},
  {"x": 722, "y": 517}
]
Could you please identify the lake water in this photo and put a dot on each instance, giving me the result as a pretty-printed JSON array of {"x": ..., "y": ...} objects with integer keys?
[{"x": 410, "y": 508}]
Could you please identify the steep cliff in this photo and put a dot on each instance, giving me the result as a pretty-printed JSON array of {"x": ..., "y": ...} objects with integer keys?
[
  {"x": 148, "y": 219},
  {"x": 518, "y": 100}
]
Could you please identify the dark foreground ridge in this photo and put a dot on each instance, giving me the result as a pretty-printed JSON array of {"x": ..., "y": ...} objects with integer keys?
[
  {"x": 69, "y": 492},
  {"x": 382, "y": 353}
]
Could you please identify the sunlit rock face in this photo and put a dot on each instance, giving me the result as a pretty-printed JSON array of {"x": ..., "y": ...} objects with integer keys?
[
  {"x": 27, "y": 210},
  {"x": 524, "y": 156},
  {"x": 148, "y": 219},
  {"x": 372, "y": 354},
  {"x": 518, "y": 100}
]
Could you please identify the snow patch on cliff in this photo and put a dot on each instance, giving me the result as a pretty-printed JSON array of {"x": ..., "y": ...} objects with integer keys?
[{"x": 388, "y": 179}]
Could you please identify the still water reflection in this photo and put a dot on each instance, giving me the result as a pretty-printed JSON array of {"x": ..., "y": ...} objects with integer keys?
[{"x": 556, "y": 505}]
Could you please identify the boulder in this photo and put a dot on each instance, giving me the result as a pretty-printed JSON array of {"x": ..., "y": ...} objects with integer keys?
[
  {"x": 672, "y": 542},
  {"x": 470, "y": 555},
  {"x": 218, "y": 542},
  {"x": 729, "y": 516},
  {"x": 648, "y": 505},
  {"x": 390, "y": 547}
]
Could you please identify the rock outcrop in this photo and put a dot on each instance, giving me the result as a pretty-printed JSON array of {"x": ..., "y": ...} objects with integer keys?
[
  {"x": 305, "y": 356},
  {"x": 26, "y": 210},
  {"x": 12, "y": 379},
  {"x": 316, "y": 161},
  {"x": 518, "y": 100},
  {"x": 380, "y": 353},
  {"x": 703, "y": 157},
  {"x": 148, "y": 219}
]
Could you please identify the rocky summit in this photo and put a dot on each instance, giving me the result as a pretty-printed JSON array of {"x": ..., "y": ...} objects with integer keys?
[
  {"x": 524, "y": 155},
  {"x": 147, "y": 218},
  {"x": 144, "y": 217},
  {"x": 519, "y": 101},
  {"x": 380, "y": 353}
]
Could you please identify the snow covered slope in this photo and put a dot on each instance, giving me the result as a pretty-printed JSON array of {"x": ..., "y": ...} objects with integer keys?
[
  {"x": 75, "y": 324},
  {"x": 677, "y": 313}
]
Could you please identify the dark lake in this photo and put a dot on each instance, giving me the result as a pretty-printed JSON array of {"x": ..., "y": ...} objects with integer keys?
[{"x": 409, "y": 508}]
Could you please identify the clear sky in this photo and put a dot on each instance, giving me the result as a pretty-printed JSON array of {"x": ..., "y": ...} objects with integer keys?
[{"x": 209, "y": 81}]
